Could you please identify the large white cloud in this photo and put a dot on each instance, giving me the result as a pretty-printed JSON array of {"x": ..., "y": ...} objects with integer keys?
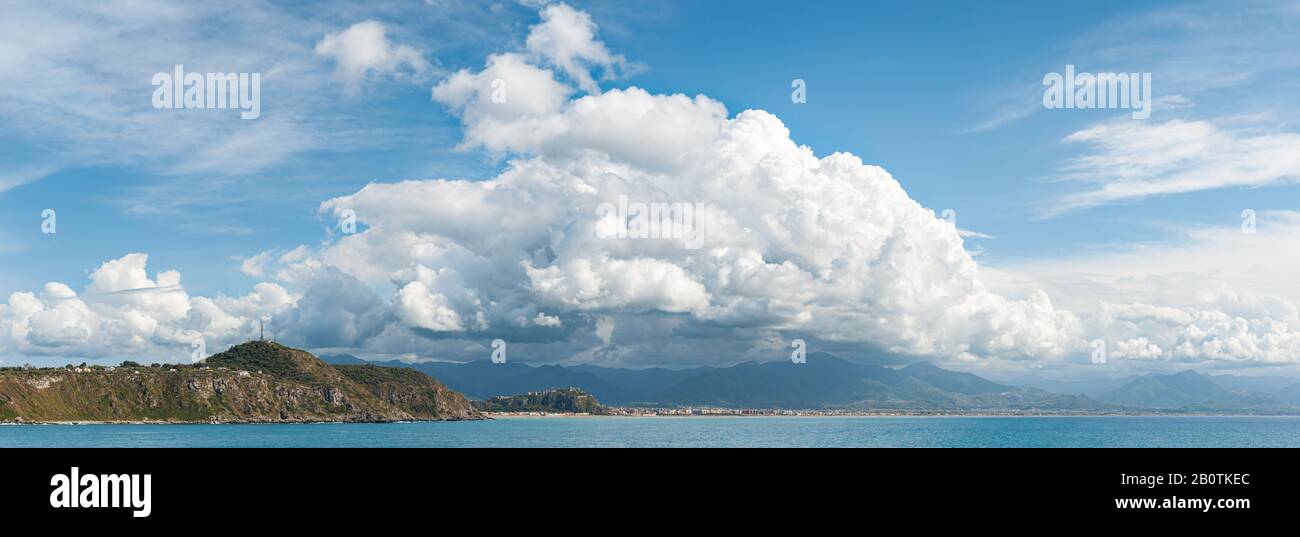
[
  {"x": 125, "y": 313},
  {"x": 1224, "y": 294},
  {"x": 816, "y": 247}
]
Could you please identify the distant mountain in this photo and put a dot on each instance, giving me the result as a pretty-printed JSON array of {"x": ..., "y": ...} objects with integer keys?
[
  {"x": 343, "y": 359},
  {"x": 1187, "y": 390},
  {"x": 554, "y": 376},
  {"x": 1264, "y": 384},
  {"x": 640, "y": 385},
  {"x": 484, "y": 379},
  {"x": 1091, "y": 387},
  {"x": 963, "y": 383},
  {"x": 1290, "y": 395},
  {"x": 825, "y": 381},
  {"x": 829, "y": 382}
]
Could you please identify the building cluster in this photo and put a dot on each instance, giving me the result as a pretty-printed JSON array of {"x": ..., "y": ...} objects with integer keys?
[{"x": 721, "y": 411}]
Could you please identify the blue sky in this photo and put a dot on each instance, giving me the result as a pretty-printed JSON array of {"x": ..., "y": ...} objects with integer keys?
[{"x": 945, "y": 97}]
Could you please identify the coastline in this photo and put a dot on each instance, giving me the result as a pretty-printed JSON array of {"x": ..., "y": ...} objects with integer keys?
[
  {"x": 557, "y": 415},
  {"x": 230, "y": 422},
  {"x": 875, "y": 416}
]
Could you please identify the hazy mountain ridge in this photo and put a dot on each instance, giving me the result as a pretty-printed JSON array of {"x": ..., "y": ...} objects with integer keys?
[
  {"x": 828, "y": 382},
  {"x": 1192, "y": 391},
  {"x": 824, "y": 382}
]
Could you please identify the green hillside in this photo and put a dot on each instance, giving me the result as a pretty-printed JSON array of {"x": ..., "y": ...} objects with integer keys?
[
  {"x": 253, "y": 382},
  {"x": 566, "y": 401}
]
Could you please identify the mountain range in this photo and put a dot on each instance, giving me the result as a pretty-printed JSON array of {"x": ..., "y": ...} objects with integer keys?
[
  {"x": 1192, "y": 391},
  {"x": 829, "y": 382},
  {"x": 823, "y": 382}
]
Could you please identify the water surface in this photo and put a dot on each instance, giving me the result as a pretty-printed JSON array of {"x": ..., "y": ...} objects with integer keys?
[{"x": 693, "y": 432}]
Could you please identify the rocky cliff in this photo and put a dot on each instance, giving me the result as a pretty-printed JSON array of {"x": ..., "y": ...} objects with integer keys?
[{"x": 250, "y": 383}]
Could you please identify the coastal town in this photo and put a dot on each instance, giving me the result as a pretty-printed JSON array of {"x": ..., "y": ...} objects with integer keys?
[{"x": 642, "y": 412}]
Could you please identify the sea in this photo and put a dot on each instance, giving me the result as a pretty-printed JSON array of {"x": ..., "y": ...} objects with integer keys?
[{"x": 692, "y": 432}]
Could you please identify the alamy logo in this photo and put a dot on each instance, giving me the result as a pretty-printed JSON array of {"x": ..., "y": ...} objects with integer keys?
[
  {"x": 131, "y": 491},
  {"x": 800, "y": 354},
  {"x": 1101, "y": 90},
  {"x": 635, "y": 220},
  {"x": 498, "y": 351},
  {"x": 179, "y": 89}
]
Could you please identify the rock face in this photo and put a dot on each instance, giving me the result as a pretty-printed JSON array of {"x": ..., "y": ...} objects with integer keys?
[
  {"x": 250, "y": 383},
  {"x": 410, "y": 390}
]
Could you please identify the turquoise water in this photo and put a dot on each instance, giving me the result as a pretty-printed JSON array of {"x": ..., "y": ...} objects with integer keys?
[{"x": 693, "y": 432}]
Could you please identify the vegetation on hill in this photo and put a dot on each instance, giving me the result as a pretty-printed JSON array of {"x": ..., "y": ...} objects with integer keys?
[
  {"x": 408, "y": 389},
  {"x": 275, "y": 360},
  {"x": 562, "y": 401},
  {"x": 253, "y": 382}
]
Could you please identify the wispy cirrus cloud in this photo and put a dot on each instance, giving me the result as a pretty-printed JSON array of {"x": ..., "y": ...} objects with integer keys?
[
  {"x": 1193, "y": 50},
  {"x": 1130, "y": 160},
  {"x": 14, "y": 178},
  {"x": 90, "y": 65}
]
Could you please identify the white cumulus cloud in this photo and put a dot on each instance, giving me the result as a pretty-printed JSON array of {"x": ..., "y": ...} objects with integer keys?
[
  {"x": 566, "y": 38},
  {"x": 125, "y": 313},
  {"x": 825, "y": 247},
  {"x": 363, "y": 51}
]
